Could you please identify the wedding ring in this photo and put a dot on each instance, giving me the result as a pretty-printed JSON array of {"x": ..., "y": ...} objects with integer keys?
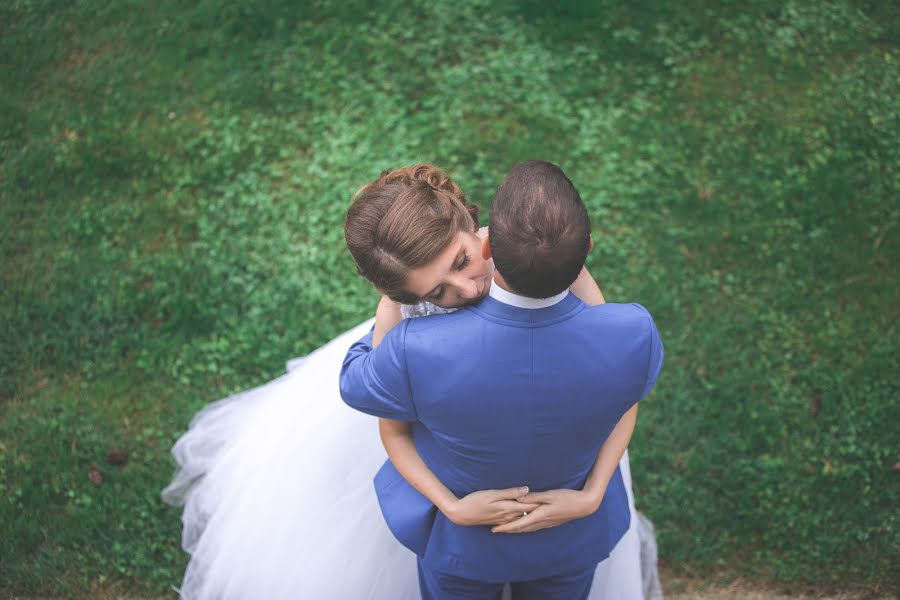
[{"x": 524, "y": 514}]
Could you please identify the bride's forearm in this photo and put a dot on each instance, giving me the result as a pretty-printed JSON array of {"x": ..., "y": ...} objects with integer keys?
[
  {"x": 587, "y": 289},
  {"x": 401, "y": 449},
  {"x": 486, "y": 507},
  {"x": 609, "y": 456},
  {"x": 615, "y": 445},
  {"x": 396, "y": 436},
  {"x": 387, "y": 315}
]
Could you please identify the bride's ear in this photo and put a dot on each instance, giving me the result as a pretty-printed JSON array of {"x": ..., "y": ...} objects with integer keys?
[
  {"x": 486, "y": 248},
  {"x": 591, "y": 245}
]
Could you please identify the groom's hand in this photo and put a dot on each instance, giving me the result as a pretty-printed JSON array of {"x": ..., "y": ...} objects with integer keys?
[
  {"x": 555, "y": 507},
  {"x": 490, "y": 507}
]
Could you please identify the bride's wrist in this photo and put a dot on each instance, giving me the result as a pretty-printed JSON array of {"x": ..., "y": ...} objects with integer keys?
[
  {"x": 450, "y": 507},
  {"x": 591, "y": 501}
]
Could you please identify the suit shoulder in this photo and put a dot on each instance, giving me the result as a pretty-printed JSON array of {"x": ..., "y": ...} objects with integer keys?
[
  {"x": 419, "y": 325},
  {"x": 631, "y": 315}
]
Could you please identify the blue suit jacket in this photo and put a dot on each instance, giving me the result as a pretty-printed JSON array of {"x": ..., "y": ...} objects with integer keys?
[{"x": 498, "y": 397}]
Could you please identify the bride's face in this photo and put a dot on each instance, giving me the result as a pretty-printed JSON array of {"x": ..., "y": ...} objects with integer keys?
[{"x": 457, "y": 276}]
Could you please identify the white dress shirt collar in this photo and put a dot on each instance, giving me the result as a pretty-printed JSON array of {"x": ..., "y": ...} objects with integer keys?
[{"x": 507, "y": 297}]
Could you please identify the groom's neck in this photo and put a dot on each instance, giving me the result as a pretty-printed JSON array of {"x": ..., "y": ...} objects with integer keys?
[{"x": 498, "y": 280}]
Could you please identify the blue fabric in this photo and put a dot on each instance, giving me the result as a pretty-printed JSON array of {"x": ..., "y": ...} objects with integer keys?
[
  {"x": 434, "y": 585},
  {"x": 441, "y": 586},
  {"x": 500, "y": 396},
  {"x": 408, "y": 514},
  {"x": 571, "y": 586}
]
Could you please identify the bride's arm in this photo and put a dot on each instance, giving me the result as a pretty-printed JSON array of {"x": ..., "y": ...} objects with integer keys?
[
  {"x": 587, "y": 289},
  {"x": 387, "y": 315},
  {"x": 489, "y": 507}
]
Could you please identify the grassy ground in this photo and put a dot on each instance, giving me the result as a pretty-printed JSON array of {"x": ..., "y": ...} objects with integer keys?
[
  {"x": 172, "y": 188},
  {"x": 718, "y": 586}
]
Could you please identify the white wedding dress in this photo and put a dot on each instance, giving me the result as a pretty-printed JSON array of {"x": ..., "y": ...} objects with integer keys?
[{"x": 276, "y": 484}]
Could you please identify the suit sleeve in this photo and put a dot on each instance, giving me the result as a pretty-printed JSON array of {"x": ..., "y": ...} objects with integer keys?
[
  {"x": 655, "y": 352},
  {"x": 375, "y": 381}
]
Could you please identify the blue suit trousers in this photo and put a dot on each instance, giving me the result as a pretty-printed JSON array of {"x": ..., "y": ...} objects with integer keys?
[{"x": 441, "y": 586}]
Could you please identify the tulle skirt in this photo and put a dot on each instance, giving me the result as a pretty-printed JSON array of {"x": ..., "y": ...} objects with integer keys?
[{"x": 276, "y": 484}]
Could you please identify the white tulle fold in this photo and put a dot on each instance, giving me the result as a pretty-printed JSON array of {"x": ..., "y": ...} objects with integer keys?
[{"x": 276, "y": 484}]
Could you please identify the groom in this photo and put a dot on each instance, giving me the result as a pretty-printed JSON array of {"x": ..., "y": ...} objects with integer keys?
[{"x": 521, "y": 389}]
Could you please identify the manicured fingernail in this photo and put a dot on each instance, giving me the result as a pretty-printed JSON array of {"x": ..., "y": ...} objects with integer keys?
[{"x": 523, "y": 490}]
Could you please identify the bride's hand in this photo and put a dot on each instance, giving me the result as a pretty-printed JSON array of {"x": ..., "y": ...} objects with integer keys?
[
  {"x": 554, "y": 508},
  {"x": 490, "y": 507}
]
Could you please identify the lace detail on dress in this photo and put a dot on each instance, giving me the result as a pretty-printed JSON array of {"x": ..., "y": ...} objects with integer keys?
[{"x": 423, "y": 309}]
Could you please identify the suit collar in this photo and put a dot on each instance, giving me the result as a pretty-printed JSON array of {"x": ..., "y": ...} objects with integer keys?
[
  {"x": 507, "y": 297},
  {"x": 495, "y": 310}
]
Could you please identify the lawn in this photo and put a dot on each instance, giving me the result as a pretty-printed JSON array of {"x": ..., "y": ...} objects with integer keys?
[{"x": 173, "y": 181}]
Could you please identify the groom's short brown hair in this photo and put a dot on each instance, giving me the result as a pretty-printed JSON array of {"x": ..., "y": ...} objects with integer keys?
[{"x": 539, "y": 230}]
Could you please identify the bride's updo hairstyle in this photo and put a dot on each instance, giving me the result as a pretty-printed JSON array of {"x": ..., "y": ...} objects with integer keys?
[{"x": 404, "y": 220}]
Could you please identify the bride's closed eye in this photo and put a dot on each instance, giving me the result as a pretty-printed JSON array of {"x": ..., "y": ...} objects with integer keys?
[{"x": 438, "y": 293}]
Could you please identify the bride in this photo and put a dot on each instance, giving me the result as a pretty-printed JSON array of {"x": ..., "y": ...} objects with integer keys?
[{"x": 276, "y": 482}]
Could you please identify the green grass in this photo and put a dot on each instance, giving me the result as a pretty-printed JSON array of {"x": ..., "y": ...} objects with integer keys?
[{"x": 173, "y": 180}]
